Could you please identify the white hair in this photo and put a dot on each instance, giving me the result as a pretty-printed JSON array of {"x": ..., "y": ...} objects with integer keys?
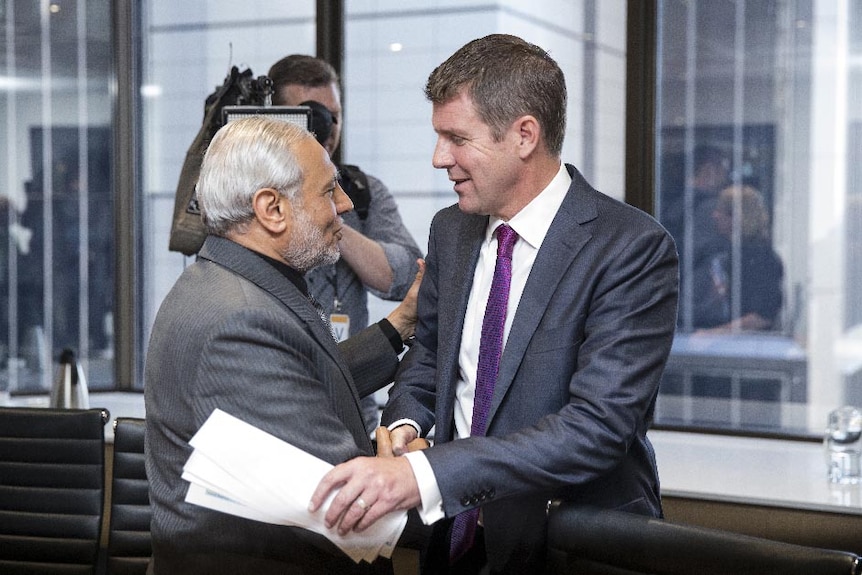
[{"x": 247, "y": 155}]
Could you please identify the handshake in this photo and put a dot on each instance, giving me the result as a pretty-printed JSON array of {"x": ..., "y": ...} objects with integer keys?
[
  {"x": 241, "y": 470},
  {"x": 384, "y": 443},
  {"x": 368, "y": 488}
]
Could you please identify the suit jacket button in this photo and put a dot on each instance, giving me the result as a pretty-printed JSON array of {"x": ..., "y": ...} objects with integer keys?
[{"x": 465, "y": 501}]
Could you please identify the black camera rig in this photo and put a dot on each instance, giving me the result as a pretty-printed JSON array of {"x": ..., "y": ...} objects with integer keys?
[{"x": 244, "y": 94}]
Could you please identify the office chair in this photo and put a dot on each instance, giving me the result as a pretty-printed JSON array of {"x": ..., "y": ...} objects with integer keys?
[
  {"x": 129, "y": 541},
  {"x": 52, "y": 483},
  {"x": 604, "y": 542}
]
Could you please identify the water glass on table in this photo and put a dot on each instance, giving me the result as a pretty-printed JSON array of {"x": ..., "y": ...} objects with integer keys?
[{"x": 843, "y": 444}]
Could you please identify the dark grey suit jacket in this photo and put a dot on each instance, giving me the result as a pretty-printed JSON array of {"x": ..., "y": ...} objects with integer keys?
[
  {"x": 235, "y": 334},
  {"x": 578, "y": 376}
]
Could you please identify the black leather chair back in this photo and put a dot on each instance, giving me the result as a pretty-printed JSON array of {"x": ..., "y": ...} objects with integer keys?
[
  {"x": 129, "y": 542},
  {"x": 52, "y": 483},
  {"x": 602, "y": 542}
]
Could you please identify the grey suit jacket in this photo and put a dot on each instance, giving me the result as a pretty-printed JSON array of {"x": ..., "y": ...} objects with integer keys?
[
  {"x": 578, "y": 376},
  {"x": 235, "y": 334}
]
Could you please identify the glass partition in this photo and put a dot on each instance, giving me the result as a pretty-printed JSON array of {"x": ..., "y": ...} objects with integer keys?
[
  {"x": 757, "y": 177},
  {"x": 390, "y": 49},
  {"x": 57, "y": 195},
  {"x": 56, "y": 192}
]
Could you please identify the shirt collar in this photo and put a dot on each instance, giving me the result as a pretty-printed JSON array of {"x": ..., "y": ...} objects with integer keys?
[
  {"x": 288, "y": 272},
  {"x": 533, "y": 221}
]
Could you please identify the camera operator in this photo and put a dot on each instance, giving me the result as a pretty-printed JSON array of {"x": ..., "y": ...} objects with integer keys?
[{"x": 378, "y": 254}]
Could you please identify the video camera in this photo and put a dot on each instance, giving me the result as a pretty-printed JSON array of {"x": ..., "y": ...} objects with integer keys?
[
  {"x": 249, "y": 96},
  {"x": 242, "y": 95}
]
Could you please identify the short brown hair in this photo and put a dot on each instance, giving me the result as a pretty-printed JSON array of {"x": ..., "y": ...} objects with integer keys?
[
  {"x": 301, "y": 70},
  {"x": 506, "y": 77}
]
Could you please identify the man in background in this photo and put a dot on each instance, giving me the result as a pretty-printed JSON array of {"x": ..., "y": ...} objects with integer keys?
[
  {"x": 687, "y": 213},
  {"x": 378, "y": 254}
]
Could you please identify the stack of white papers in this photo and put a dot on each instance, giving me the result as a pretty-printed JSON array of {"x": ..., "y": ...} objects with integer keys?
[{"x": 239, "y": 469}]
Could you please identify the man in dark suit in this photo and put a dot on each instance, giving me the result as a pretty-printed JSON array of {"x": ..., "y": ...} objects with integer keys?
[
  {"x": 238, "y": 332},
  {"x": 589, "y": 324}
]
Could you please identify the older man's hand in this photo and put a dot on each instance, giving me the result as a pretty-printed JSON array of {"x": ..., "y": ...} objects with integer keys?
[{"x": 403, "y": 317}]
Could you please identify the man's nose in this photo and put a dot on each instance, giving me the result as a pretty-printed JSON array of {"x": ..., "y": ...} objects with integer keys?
[
  {"x": 343, "y": 203},
  {"x": 442, "y": 158}
]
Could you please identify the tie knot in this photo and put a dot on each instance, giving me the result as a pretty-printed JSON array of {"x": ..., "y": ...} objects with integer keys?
[{"x": 506, "y": 238}]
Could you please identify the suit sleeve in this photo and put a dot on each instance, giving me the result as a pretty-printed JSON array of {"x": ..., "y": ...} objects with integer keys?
[
  {"x": 371, "y": 359},
  {"x": 414, "y": 396}
]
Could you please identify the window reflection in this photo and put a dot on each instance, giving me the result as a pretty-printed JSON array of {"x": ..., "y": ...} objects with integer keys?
[
  {"x": 56, "y": 199},
  {"x": 741, "y": 285},
  {"x": 732, "y": 278},
  {"x": 68, "y": 263},
  {"x": 757, "y": 180},
  {"x": 773, "y": 86}
]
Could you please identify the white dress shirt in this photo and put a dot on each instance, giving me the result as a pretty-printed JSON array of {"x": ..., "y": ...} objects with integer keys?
[{"x": 531, "y": 224}]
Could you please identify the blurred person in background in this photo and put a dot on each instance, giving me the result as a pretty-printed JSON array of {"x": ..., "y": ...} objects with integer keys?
[{"x": 759, "y": 274}]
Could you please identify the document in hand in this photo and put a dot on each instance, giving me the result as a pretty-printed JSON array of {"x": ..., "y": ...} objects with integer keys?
[{"x": 239, "y": 469}]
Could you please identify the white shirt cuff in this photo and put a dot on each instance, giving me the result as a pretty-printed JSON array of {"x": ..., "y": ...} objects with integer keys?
[
  {"x": 429, "y": 492},
  {"x": 406, "y": 421}
]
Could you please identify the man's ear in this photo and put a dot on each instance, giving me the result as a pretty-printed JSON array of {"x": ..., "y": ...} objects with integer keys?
[
  {"x": 271, "y": 210},
  {"x": 529, "y": 135}
]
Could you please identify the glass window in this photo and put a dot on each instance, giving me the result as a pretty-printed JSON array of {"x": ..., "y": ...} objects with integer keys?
[
  {"x": 757, "y": 145},
  {"x": 390, "y": 49},
  {"x": 188, "y": 51},
  {"x": 58, "y": 245},
  {"x": 758, "y": 139},
  {"x": 56, "y": 192}
]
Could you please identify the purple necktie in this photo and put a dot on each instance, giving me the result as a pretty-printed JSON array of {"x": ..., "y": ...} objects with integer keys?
[{"x": 490, "y": 349}]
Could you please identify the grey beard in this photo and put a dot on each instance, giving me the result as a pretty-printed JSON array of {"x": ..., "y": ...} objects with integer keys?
[{"x": 307, "y": 249}]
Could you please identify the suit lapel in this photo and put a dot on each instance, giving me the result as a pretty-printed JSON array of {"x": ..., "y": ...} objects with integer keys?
[
  {"x": 469, "y": 243},
  {"x": 464, "y": 241},
  {"x": 564, "y": 240}
]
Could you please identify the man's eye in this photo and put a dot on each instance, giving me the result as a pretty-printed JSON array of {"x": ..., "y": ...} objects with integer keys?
[{"x": 458, "y": 140}]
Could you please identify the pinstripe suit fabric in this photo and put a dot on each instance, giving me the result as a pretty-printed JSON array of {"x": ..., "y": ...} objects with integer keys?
[{"x": 235, "y": 334}]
